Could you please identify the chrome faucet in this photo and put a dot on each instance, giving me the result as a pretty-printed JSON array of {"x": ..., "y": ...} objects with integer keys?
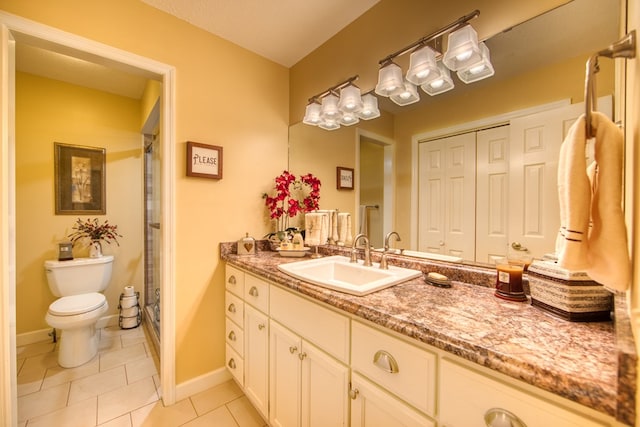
[
  {"x": 383, "y": 259},
  {"x": 367, "y": 250}
]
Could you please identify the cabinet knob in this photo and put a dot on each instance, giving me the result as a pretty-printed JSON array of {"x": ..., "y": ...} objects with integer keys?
[
  {"x": 301, "y": 356},
  {"x": 232, "y": 364},
  {"x": 498, "y": 417},
  {"x": 232, "y": 336},
  {"x": 232, "y": 308},
  {"x": 353, "y": 393},
  {"x": 232, "y": 280},
  {"x": 385, "y": 361},
  {"x": 261, "y": 326},
  {"x": 293, "y": 349},
  {"x": 253, "y": 291}
]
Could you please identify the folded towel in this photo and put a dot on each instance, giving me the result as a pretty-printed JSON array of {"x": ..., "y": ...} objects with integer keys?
[
  {"x": 608, "y": 254},
  {"x": 313, "y": 228},
  {"x": 594, "y": 193},
  {"x": 342, "y": 226}
]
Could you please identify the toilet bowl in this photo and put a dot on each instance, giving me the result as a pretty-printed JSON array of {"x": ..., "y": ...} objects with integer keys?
[
  {"x": 76, "y": 316},
  {"x": 78, "y": 283}
]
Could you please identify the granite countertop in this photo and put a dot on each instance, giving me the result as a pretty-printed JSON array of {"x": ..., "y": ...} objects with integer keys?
[{"x": 593, "y": 364}]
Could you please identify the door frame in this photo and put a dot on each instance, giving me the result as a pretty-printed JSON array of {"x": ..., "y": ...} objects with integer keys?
[{"x": 13, "y": 29}]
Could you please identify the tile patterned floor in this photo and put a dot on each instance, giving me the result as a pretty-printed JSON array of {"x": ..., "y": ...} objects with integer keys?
[{"x": 118, "y": 388}]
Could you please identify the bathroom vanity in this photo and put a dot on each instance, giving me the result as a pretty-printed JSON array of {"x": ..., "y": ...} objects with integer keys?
[{"x": 418, "y": 355}]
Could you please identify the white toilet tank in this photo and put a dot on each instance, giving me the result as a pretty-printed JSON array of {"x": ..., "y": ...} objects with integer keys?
[{"x": 79, "y": 275}]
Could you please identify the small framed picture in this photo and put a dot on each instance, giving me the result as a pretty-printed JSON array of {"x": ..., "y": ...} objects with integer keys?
[
  {"x": 204, "y": 161},
  {"x": 80, "y": 185},
  {"x": 344, "y": 178}
]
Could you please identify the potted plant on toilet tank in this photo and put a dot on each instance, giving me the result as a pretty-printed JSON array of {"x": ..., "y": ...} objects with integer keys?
[{"x": 93, "y": 232}]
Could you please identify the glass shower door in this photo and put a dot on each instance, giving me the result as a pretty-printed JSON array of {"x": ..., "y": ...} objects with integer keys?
[{"x": 152, "y": 231}]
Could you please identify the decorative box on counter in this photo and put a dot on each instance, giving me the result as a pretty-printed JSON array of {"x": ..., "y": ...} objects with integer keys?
[{"x": 571, "y": 295}]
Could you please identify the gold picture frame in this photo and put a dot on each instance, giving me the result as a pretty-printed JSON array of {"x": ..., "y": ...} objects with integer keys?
[{"x": 80, "y": 184}]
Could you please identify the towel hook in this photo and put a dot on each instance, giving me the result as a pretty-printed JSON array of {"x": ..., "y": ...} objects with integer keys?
[{"x": 623, "y": 48}]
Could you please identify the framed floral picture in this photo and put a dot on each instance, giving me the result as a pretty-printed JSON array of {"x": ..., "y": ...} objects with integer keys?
[
  {"x": 79, "y": 180},
  {"x": 344, "y": 178}
]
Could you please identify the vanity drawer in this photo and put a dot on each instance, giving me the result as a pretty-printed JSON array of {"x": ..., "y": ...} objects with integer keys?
[
  {"x": 235, "y": 336},
  {"x": 399, "y": 367},
  {"x": 321, "y": 326},
  {"x": 234, "y": 280},
  {"x": 235, "y": 365},
  {"x": 234, "y": 308},
  {"x": 256, "y": 293},
  {"x": 480, "y": 394}
]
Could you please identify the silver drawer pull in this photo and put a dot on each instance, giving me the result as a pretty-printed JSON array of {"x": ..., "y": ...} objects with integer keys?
[
  {"x": 232, "y": 280},
  {"x": 232, "y": 308},
  {"x": 385, "y": 361},
  {"x": 232, "y": 336},
  {"x": 253, "y": 291},
  {"x": 498, "y": 417},
  {"x": 232, "y": 364}
]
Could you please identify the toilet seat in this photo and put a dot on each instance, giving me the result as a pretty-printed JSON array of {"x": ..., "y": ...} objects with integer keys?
[{"x": 77, "y": 304}]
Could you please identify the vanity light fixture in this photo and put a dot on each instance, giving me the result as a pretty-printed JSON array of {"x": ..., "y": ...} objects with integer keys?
[
  {"x": 390, "y": 81},
  {"x": 370, "y": 108},
  {"x": 350, "y": 99},
  {"x": 440, "y": 85},
  {"x": 312, "y": 113},
  {"x": 408, "y": 95},
  {"x": 329, "y": 109},
  {"x": 463, "y": 49},
  {"x": 478, "y": 70},
  {"x": 422, "y": 66}
]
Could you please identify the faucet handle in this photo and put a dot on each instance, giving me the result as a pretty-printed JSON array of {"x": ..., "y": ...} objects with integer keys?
[{"x": 354, "y": 255}]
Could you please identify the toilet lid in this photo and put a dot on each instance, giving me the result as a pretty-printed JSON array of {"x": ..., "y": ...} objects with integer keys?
[{"x": 77, "y": 304}]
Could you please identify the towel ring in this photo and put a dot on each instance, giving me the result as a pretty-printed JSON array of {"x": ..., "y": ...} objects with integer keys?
[{"x": 623, "y": 48}]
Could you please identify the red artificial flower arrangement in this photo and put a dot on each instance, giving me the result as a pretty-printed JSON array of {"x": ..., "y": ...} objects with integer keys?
[
  {"x": 292, "y": 197},
  {"x": 92, "y": 229}
]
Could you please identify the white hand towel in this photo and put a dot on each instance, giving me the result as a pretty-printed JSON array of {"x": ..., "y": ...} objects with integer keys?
[
  {"x": 324, "y": 227},
  {"x": 602, "y": 251},
  {"x": 608, "y": 255},
  {"x": 342, "y": 226},
  {"x": 349, "y": 239},
  {"x": 364, "y": 226},
  {"x": 574, "y": 199},
  {"x": 313, "y": 227}
]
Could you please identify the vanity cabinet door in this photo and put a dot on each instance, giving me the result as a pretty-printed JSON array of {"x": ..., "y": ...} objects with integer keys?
[
  {"x": 256, "y": 360},
  {"x": 308, "y": 387},
  {"x": 285, "y": 377},
  {"x": 373, "y": 407}
]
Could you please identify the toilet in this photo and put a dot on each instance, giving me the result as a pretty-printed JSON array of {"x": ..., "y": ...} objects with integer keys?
[{"x": 79, "y": 284}]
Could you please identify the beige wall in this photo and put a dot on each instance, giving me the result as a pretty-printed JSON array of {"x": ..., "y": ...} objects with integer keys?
[
  {"x": 49, "y": 111},
  {"x": 215, "y": 81},
  {"x": 358, "y": 48}
]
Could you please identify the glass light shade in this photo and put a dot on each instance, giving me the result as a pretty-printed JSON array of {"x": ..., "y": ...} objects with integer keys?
[
  {"x": 370, "y": 108},
  {"x": 330, "y": 110},
  {"x": 422, "y": 66},
  {"x": 312, "y": 114},
  {"x": 330, "y": 124},
  {"x": 350, "y": 99},
  {"x": 479, "y": 70},
  {"x": 441, "y": 85},
  {"x": 390, "y": 80},
  {"x": 408, "y": 96},
  {"x": 349, "y": 119},
  {"x": 463, "y": 49}
]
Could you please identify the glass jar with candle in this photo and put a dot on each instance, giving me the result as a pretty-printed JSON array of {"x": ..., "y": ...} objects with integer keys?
[{"x": 509, "y": 280}]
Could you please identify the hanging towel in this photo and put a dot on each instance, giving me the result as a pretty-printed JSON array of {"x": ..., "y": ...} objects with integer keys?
[
  {"x": 601, "y": 250},
  {"x": 342, "y": 226},
  {"x": 364, "y": 226},
  {"x": 608, "y": 255},
  {"x": 574, "y": 199}
]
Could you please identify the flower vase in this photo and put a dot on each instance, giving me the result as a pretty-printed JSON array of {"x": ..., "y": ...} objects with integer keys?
[{"x": 95, "y": 249}]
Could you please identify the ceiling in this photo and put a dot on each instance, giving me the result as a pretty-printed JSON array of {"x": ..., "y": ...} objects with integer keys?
[{"x": 284, "y": 31}]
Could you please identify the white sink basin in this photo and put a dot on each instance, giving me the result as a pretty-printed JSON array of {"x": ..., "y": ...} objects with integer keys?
[{"x": 337, "y": 273}]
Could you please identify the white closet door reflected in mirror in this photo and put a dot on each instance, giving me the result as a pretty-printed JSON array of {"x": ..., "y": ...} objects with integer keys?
[{"x": 508, "y": 198}]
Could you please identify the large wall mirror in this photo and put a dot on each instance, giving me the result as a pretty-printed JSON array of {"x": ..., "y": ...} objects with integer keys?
[{"x": 539, "y": 64}]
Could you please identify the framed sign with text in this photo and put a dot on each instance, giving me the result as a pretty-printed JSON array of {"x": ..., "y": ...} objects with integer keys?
[
  {"x": 204, "y": 161},
  {"x": 344, "y": 178}
]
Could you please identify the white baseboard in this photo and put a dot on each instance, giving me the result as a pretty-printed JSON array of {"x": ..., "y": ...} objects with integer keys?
[
  {"x": 201, "y": 383},
  {"x": 43, "y": 334}
]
